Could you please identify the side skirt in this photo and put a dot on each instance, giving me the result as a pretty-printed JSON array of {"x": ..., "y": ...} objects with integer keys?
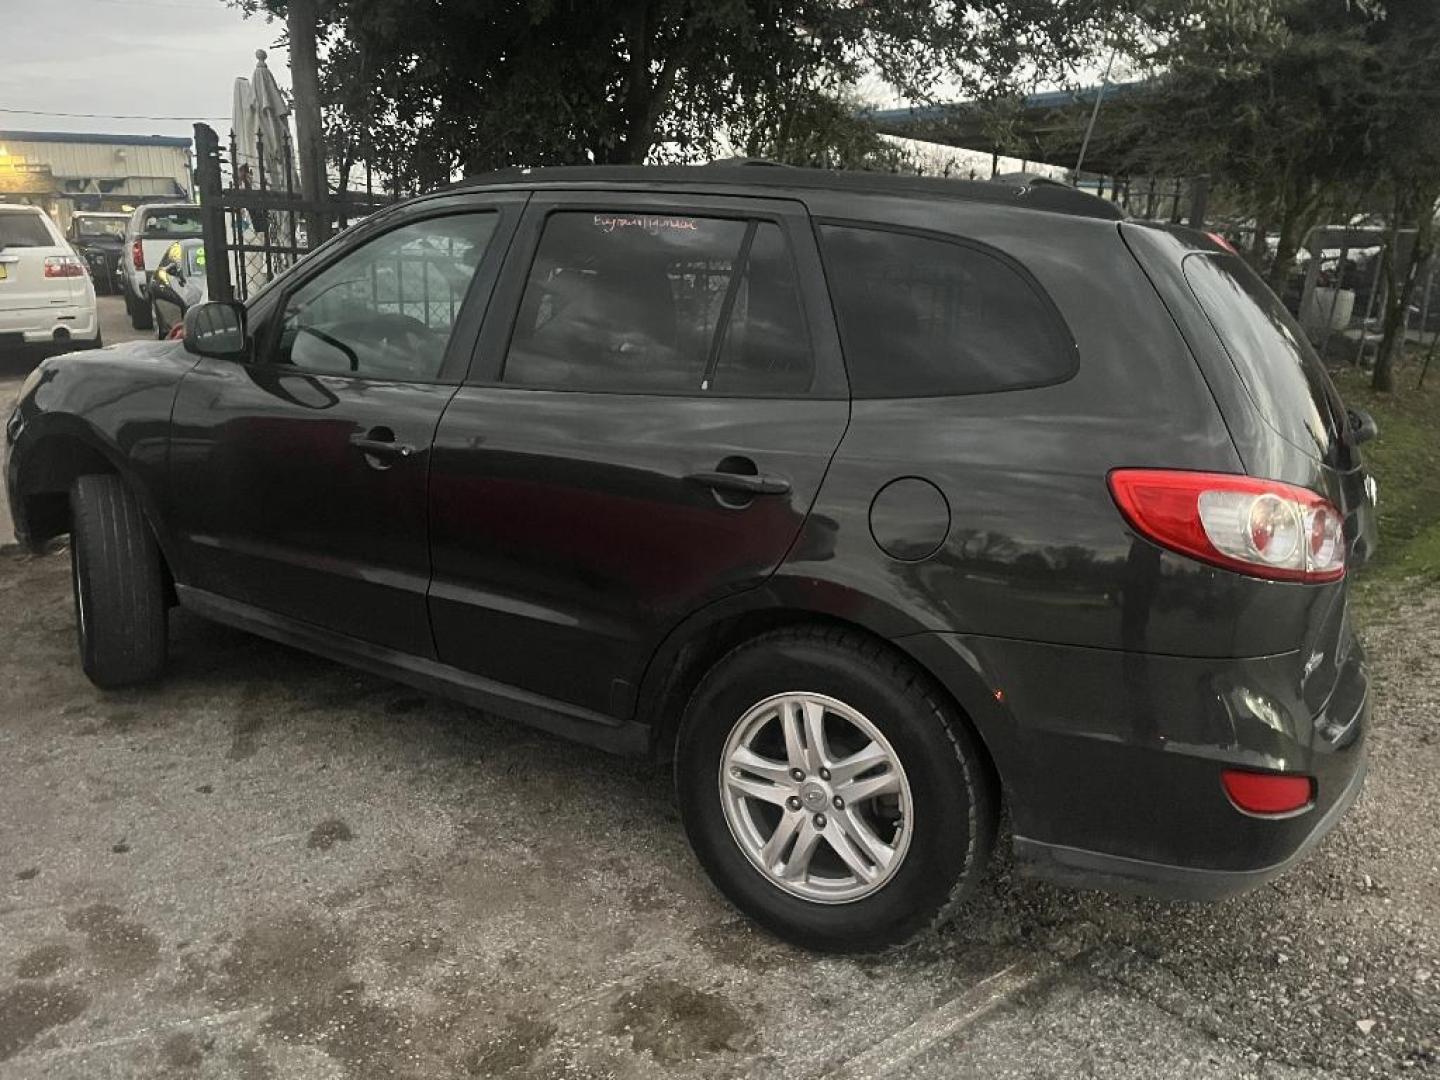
[{"x": 568, "y": 721}]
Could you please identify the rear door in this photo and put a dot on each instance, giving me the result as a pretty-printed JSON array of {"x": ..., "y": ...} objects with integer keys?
[{"x": 648, "y": 420}]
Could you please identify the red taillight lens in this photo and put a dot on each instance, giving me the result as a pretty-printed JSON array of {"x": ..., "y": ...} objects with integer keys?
[
  {"x": 1259, "y": 527},
  {"x": 1222, "y": 242},
  {"x": 137, "y": 255},
  {"x": 1267, "y": 793},
  {"x": 64, "y": 266}
]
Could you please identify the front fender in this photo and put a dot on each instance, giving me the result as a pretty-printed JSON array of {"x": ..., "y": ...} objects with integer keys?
[{"x": 101, "y": 411}]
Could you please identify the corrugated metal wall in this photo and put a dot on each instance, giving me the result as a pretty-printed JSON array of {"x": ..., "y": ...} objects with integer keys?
[{"x": 104, "y": 161}]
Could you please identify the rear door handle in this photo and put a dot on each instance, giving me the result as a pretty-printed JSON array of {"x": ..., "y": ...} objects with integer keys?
[{"x": 742, "y": 483}]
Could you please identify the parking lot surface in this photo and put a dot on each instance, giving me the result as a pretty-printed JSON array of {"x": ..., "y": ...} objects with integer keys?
[{"x": 270, "y": 866}]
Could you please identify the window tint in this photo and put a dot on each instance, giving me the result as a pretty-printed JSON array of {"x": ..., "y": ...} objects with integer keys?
[
  {"x": 21, "y": 229},
  {"x": 1281, "y": 372},
  {"x": 386, "y": 309},
  {"x": 633, "y": 302},
  {"x": 923, "y": 317},
  {"x": 174, "y": 222}
]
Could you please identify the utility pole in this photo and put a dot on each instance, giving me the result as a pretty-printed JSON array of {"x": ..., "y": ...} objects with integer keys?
[{"x": 300, "y": 20}]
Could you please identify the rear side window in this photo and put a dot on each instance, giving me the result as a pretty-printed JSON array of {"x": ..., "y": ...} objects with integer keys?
[
  {"x": 24, "y": 230},
  {"x": 1281, "y": 372},
  {"x": 923, "y": 317},
  {"x": 174, "y": 222},
  {"x": 652, "y": 303}
]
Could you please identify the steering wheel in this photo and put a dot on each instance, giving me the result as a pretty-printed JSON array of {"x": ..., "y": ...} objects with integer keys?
[{"x": 411, "y": 343}]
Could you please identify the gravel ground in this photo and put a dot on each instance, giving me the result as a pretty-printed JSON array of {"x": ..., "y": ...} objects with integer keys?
[{"x": 270, "y": 866}]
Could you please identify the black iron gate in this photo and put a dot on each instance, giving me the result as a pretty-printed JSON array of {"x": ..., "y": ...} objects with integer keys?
[{"x": 258, "y": 225}]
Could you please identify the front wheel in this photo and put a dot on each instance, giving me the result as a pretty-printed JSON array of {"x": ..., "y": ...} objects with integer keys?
[
  {"x": 830, "y": 792},
  {"x": 120, "y": 609}
]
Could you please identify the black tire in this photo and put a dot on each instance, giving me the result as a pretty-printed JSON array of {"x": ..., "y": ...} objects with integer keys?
[
  {"x": 120, "y": 609},
  {"x": 952, "y": 788},
  {"x": 139, "y": 313}
]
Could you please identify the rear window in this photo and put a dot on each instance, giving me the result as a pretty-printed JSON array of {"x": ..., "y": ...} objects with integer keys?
[
  {"x": 924, "y": 317},
  {"x": 172, "y": 222},
  {"x": 1280, "y": 371},
  {"x": 24, "y": 230}
]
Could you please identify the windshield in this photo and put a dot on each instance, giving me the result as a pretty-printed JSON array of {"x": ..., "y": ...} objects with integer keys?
[
  {"x": 24, "y": 230},
  {"x": 1280, "y": 370},
  {"x": 99, "y": 228}
]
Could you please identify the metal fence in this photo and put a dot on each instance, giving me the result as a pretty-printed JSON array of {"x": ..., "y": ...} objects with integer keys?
[{"x": 258, "y": 225}]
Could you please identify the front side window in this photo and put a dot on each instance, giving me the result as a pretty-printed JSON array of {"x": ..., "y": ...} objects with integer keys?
[
  {"x": 923, "y": 317},
  {"x": 387, "y": 308},
  {"x": 652, "y": 303}
]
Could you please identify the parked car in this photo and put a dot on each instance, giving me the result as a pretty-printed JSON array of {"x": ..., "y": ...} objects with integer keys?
[
  {"x": 868, "y": 501},
  {"x": 178, "y": 285},
  {"x": 99, "y": 239},
  {"x": 152, "y": 229},
  {"x": 46, "y": 296}
]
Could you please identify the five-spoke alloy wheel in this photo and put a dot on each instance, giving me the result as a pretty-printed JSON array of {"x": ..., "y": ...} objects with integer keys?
[
  {"x": 845, "y": 815},
  {"x": 816, "y": 797}
]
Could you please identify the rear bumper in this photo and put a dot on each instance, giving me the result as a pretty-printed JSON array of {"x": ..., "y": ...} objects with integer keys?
[
  {"x": 1083, "y": 869},
  {"x": 1110, "y": 761},
  {"x": 38, "y": 326}
]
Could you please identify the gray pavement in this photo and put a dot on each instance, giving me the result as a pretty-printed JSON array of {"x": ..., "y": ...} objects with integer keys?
[{"x": 269, "y": 866}]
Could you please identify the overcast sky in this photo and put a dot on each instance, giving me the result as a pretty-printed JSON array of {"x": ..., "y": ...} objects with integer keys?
[{"x": 138, "y": 57}]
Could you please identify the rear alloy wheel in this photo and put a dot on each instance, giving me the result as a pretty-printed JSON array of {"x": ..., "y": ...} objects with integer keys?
[
  {"x": 830, "y": 792},
  {"x": 120, "y": 609}
]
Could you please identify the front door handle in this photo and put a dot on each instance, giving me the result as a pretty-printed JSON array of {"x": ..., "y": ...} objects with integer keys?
[
  {"x": 742, "y": 483},
  {"x": 380, "y": 442}
]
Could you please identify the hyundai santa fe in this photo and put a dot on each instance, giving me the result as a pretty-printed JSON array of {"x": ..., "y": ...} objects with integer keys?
[{"x": 870, "y": 502}]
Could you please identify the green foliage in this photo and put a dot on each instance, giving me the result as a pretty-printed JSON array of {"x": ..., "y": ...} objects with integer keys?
[{"x": 432, "y": 87}]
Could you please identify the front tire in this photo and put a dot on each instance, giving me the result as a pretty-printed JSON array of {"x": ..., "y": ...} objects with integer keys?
[
  {"x": 120, "y": 609},
  {"x": 831, "y": 792}
]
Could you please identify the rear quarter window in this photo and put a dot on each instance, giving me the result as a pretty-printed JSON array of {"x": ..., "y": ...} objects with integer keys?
[
  {"x": 1280, "y": 371},
  {"x": 921, "y": 316}
]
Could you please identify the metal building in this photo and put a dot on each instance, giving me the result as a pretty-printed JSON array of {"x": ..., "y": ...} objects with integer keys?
[{"x": 63, "y": 171}]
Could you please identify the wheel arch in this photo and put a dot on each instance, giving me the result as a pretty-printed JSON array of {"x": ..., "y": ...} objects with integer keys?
[
  {"x": 48, "y": 463},
  {"x": 701, "y": 641}
]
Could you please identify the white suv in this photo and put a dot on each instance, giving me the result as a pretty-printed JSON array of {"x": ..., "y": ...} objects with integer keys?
[{"x": 46, "y": 295}]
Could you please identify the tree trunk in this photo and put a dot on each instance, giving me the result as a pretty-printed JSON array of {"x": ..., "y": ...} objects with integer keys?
[
  {"x": 1400, "y": 280},
  {"x": 1259, "y": 250}
]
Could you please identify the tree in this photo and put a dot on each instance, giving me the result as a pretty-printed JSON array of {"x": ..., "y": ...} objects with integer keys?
[
  {"x": 464, "y": 86},
  {"x": 1405, "y": 141},
  {"x": 1273, "y": 101}
]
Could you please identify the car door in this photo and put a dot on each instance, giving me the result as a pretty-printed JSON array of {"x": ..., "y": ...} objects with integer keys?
[
  {"x": 649, "y": 416},
  {"x": 298, "y": 480}
]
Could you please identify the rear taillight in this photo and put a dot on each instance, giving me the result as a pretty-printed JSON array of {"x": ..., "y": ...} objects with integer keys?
[
  {"x": 1259, "y": 527},
  {"x": 1267, "y": 793},
  {"x": 137, "y": 255},
  {"x": 64, "y": 266}
]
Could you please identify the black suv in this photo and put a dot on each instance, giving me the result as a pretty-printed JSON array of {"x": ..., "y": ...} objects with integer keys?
[{"x": 870, "y": 501}]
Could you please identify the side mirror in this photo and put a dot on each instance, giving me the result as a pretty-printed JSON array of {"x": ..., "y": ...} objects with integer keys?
[
  {"x": 1362, "y": 426},
  {"x": 217, "y": 329}
]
